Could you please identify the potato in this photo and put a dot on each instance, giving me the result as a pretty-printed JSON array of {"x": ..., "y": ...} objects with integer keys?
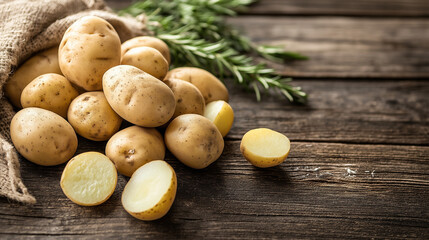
[
  {"x": 221, "y": 114},
  {"x": 43, "y": 137},
  {"x": 89, "y": 47},
  {"x": 150, "y": 192},
  {"x": 147, "y": 59},
  {"x": 41, "y": 63},
  {"x": 89, "y": 179},
  {"x": 133, "y": 147},
  {"x": 92, "y": 117},
  {"x": 194, "y": 140},
  {"x": 147, "y": 41},
  {"x": 264, "y": 147},
  {"x": 210, "y": 87},
  {"x": 49, "y": 91},
  {"x": 188, "y": 98},
  {"x": 138, "y": 97}
]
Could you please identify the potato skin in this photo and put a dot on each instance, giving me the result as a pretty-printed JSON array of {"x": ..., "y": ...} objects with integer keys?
[
  {"x": 138, "y": 97},
  {"x": 147, "y": 41},
  {"x": 194, "y": 140},
  {"x": 49, "y": 91},
  {"x": 134, "y": 146},
  {"x": 210, "y": 87},
  {"x": 41, "y": 63},
  {"x": 43, "y": 137},
  {"x": 92, "y": 117},
  {"x": 188, "y": 98},
  {"x": 147, "y": 59},
  {"x": 89, "y": 48}
]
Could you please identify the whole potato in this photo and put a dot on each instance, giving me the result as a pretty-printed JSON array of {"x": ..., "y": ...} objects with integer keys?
[
  {"x": 89, "y": 48},
  {"x": 43, "y": 137},
  {"x": 188, "y": 98},
  {"x": 147, "y": 59},
  {"x": 210, "y": 87},
  {"x": 92, "y": 117},
  {"x": 194, "y": 140},
  {"x": 134, "y": 146},
  {"x": 49, "y": 91},
  {"x": 41, "y": 63},
  {"x": 138, "y": 97},
  {"x": 147, "y": 41}
]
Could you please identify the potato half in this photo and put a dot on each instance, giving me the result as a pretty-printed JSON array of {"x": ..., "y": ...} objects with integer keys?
[
  {"x": 43, "y": 137},
  {"x": 264, "y": 147},
  {"x": 194, "y": 140},
  {"x": 41, "y": 63},
  {"x": 133, "y": 147},
  {"x": 151, "y": 191},
  {"x": 49, "y": 91},
  {"x": 147, "y": 41},
  {"x": 210, "y": 86},
  {"x": 221, "y": 114},
  {"x": 89, "y": 179}
]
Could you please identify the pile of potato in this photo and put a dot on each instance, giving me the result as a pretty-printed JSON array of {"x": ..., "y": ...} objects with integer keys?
[{"x": 90, "y": 84}]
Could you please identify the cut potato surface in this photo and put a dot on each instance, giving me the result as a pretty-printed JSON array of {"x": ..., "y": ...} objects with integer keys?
[
  {"x": 89, "y": 179},
  {"x": 221, "y": 114},
  {"x": 263, "y": 147},
  {"x": 151, "y": 191}
]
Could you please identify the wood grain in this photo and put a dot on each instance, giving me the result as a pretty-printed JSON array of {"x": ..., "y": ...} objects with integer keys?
[
  {"x": 323, "y": 190},
  {"x": 341, "y": 47},
  {"x": 383, "y": 112},
  {"x": 396, "y": 8}
]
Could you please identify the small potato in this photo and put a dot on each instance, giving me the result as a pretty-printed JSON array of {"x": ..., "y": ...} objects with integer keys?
[
  {"x": 264, "y": 147},
  {"x": 188, "y": 98},
  {"x": 43, "y": 137},
  {"x": 133, "y": 147},
  {"x": 89, "y": 179},
  {"x": 49, "y": 91},
  {"x": 147, "y": 59},
  {"x": 150, "y": 192},
  {"x": 221, "y": 114},
  {"x": 89, "y": 47},
  {"x": 41, "y": 63},
  {"x": 147, "y": 41},
  {"x": 210, "y": 87},
  {"x": 194, "y": 140},
  {"x": 138, "y": 97},
  {"x": 92, "y": 117}
]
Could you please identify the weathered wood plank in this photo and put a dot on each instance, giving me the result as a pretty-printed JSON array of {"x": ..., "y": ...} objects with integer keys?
[
  {"x": 384, "y": 112},
  {"x": 346, "y": 47},
  {"x": 399, "y": 8},
  {"x": 323, "y": 190}
]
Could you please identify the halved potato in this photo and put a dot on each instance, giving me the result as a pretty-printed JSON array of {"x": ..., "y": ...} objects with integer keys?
[
  {"x": 151, "y": 191},
  {"x": 264, "y": 147},
  {"x": 221, "y": 114},
  {"x": 89, "y": 179}
]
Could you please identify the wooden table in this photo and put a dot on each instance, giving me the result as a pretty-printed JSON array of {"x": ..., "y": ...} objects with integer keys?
[{"x": 359, "y": 162}]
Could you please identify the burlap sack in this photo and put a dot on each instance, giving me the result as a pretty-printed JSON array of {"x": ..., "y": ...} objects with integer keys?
[{"x": 26, "y": 27}]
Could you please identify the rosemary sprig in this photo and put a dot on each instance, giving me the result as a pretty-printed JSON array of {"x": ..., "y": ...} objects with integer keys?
[{"x": 203, "y": 39}]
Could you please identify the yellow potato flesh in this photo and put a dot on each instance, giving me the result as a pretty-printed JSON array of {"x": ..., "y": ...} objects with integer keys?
[
  {"x": 151, "y": 191},
  {"x": 221, "y": 114},
  {"x": 89, "y": 179},
  {"x": 263, "y": 147}
]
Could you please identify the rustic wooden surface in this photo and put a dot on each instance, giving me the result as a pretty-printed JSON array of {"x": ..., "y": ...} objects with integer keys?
[{"x": 359, "y": 162}]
